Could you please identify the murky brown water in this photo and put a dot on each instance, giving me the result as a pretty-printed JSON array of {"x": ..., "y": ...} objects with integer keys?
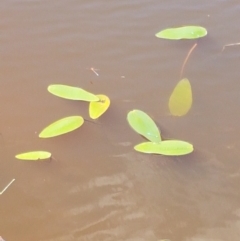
[{"x": 99, "y": 188}]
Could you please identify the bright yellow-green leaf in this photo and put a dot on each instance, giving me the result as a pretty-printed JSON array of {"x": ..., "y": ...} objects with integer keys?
[
  {"x": 97, "y": 108},
  {"x": 71, "y": 93},
  {"x": 167, "y": 148},
  {"x": 186, "y": 32},
  {"x": 180, "y": 101},
  {"x": 34, "y": 155},
  {"x": 62, "y": 126},
  {"x": 144, "y": 125}
]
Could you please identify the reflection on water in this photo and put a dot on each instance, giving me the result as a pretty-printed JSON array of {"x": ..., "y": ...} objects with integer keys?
[{"x": 97, "y": 187}]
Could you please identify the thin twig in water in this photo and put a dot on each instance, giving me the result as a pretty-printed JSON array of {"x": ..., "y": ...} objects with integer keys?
[
  {"x": 186, "y": 59},
  {"x": 229, "y": 45},
  {"x": 94, "y": 71},
  {"x": 7, "y": 187},
  {"x": 93, "y": 122}
]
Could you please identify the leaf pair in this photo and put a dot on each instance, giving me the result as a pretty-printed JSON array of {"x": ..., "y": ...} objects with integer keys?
[
  {"x": 98, "y": 103},
  {"x": 180, "y": 101},
  {"x": 145, "y": 126}
]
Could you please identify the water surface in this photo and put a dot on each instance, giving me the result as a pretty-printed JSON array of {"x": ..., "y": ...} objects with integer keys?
[{"x": 98, "y": 188}]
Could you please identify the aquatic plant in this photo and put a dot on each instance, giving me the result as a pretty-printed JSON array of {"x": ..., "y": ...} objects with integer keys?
[
  {"x": 180, "y": 101},
  {"x": 145, "y": 126},
  {"x": 185, "y": 32},
  {"x": 62, "y": 126},
  {"x": 34, "y": 156},
  {"x": 98, "y": 105},
  {"x": 71, "y": 93},
  {"x": 97, "y": 108},
  {"x": 166, "y": 148}
]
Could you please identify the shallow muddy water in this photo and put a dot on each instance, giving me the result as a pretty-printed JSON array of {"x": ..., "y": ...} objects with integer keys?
[{"x": 97, "y": 187}]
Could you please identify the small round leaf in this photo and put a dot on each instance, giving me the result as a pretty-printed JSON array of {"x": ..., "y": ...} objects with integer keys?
[
  {"x": 180, "y": 101},
  {"x": 97, "y": 108}
]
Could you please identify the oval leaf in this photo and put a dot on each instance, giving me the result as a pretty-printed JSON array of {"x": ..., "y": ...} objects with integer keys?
[
  {"x": 62, "y": 126},
  {"x": 71, "y": 93},
  {"x": 34, "y": 155},
  {"x": 144, "y": 125},
  {"x": 97, "y": 108},
  {"x": 167, "y": 148},
  {"x": 180, "y": 101},
  {"x": 186, "y": 32}
]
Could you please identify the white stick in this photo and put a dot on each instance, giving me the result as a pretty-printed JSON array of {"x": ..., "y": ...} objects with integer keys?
[
  {"x": 94, "y": 71},
  {"x": 7, "y": 187},
  {"x": 229, "y": 45}
]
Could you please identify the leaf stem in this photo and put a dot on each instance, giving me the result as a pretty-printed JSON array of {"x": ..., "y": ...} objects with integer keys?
[
  {"x": 186, "y": 59},
  {"x": 91, "y": 121}
]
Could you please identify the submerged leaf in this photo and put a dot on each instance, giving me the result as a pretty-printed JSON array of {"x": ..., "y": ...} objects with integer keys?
[
  {"x": 62, "y": 126},
  {"x": 186, "y": 32},
  {"x": 71, "y": 93},
  {"x": 167, "y": 148},
  {"x": 97, "y": 108},
  {"x": 180, "y": 101},
  {"x": 144, "y": 125},
  {"x": 34, "y": 155}
]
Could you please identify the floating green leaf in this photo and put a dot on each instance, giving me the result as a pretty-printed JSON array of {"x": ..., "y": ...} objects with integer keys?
[
  {"x": 34, "y": 155},
  {"x": 144, "y": 125},
  {"x": 97, "y": 108},
  {"x": 71, "y": 93},
  {"x": 180, "y": 101},
  {"x": 62, "y": 126},
  {"x": 186, "y": 32},
  {"x": 167, "y": 148}
]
